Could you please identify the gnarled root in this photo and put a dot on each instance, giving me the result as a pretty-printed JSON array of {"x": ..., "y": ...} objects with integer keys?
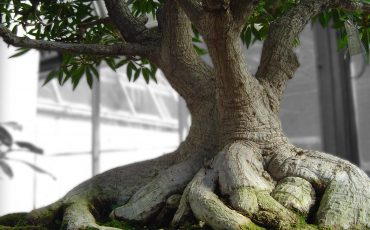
[
  {"x": 94, "y": 198},
  {"x": 78, "y": 216},
  {"x": 242, "y": 187},
  {"x": 345, "y": 203},
  {"x": 242, "y": 181},
  {"x": 296, "y": 194},
  {"x": 209, "y": 208},
  {"x": 237, "y": 176},
  {"x": 151, "y": 197}
]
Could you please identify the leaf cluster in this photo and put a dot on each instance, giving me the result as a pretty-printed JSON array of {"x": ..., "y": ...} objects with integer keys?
[
  {"x": 75, "y": 21},
  {"x": 336, "y": 18}
]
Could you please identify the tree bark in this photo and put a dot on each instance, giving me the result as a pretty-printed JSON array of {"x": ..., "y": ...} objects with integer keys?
[{"x": 236, "y": 169}]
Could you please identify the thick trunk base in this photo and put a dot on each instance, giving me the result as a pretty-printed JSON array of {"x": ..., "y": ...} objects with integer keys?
[{"x": 240, "y": 188}]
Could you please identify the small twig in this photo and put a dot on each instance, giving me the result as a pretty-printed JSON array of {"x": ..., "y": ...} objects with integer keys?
[{"x": 79, "y": 48}]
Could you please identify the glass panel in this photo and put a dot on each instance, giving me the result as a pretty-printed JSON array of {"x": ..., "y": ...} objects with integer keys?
[
  {"x": 46, "y": 92},
  {"x": 81, "y": 95},
  {"x": 142, "y": 101},
  {"x": 171, "y": 104},
  {"x": 112, "y": 95}
]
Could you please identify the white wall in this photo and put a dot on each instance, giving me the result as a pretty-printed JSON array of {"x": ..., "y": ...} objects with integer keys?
[
  {"x": 18, "y": 95},
  {"x": 67, "y": 144}
]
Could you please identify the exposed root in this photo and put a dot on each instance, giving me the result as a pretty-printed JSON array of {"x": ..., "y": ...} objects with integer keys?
[
  {"x": 12, "y": 219},
  {"x": 45, "y": 216},
  {"x": 245, "y": 200},
  {"x": 209, "y": 208},
  {"x": 239, "y": 172},
  {"x": 296, "y": 194},
  {"x": 150, "y": 198},
  {"x": 240, "y": 165},
  {"x": 165, "y": 215},
  {"x": 184, "y": 208},
  {"x": 78, "y": 216},
  {"x": 346, "y": 200},
  {"x": 345, "y": 204},
  {"x": 242, "y": 177},
  {"x": 233, "y": 191},
  {"x": 272, "y": 214},
  {"x": 113, "y": 187}
]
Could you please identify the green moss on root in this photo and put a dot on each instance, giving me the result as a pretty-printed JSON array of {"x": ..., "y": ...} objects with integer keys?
[
  {"x": 133, "y": 226},
  {"x": 17, "y": 221},
  {"x": 14, "y": 219},
  {"x": 119, "y": 224},
  {"x": 22, "y": 228}
]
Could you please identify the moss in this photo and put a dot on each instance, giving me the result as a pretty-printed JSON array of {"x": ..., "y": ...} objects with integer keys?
[
  {"x": 252, "y": 226},
  {"x": 14, "y": 219},
  {"x": 17, "y": 221},
  {"x": 133, "y": 226},
  {"x": 302, "y": 224},
  {"x": 119, "y": 224},
  {"x": 26, "y": 227}
]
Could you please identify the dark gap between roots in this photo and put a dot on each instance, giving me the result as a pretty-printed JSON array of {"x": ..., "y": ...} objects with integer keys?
[{"x": 311, "y": 216}]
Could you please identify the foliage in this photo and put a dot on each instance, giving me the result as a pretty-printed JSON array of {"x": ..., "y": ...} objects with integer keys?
[
  {"x": 75, "y": 21},
  {"x": 8, "y": 146}
]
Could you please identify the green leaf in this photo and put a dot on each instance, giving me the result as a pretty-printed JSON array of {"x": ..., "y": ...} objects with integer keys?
[
  {"x": 67, "y": 75},
  {"x": 15, "y": 29},
  {"x": 110, "y": 62},
  {"x": 256, "y": 32},
  {"x": 61, "y": 79},
  {"x": 121, "y": 63},
  {"x": 146, "y": 73},
  {"x": 200, "y": 51},
  {"x": 20, "y": 53},
  {"x": 50, "y": 77},
  {"x": 324, "y": 18},
  {"x": 153, "y": 77},
  {"x": 137, "y": 74},
  {"x": 129, "y": 69},
  {"x": 67, "y": 58},
  {"x": 89, "y": 77},
  {"x": 247, "y": 36},
  {"x": 296, "y": 42},
  {"x": 77, "y": 75},
  {"x": 94, "y": 71}
]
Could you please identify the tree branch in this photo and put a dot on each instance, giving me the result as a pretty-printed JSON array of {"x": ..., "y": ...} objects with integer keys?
[
  {"x": 241, "y": 9},
  {"x": 184, "y": 69},
  {"x": 93, "y": 49},
  {"x": 278, "y": 61},
  {"x": 353, "y": 5},
  {"x": 132, "y": 28},
  {"x": 194, "y": 10}
]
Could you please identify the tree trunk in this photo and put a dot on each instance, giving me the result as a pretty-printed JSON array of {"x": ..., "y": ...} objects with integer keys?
[{"x": 236, "y": 169}]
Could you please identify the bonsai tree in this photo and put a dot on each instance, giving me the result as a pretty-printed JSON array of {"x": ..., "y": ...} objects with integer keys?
[{"x": 236, "y": 169}]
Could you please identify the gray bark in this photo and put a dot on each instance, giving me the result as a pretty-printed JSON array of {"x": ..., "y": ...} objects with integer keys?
[{"x": 236, "y": 169}]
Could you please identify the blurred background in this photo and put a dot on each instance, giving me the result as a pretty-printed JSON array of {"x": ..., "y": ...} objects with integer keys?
[{"x": 85, "y": 132}]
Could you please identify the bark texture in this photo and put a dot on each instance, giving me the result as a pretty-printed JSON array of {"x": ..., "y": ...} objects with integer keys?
[{"x": 236, "y": 169}]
